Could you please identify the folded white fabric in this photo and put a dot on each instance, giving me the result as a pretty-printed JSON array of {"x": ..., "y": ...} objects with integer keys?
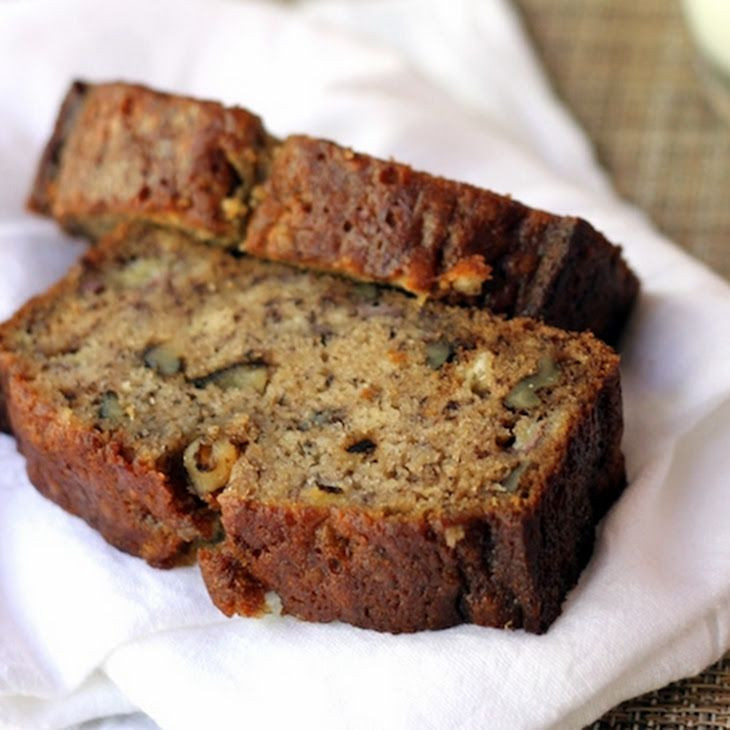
[{"x": 87, "y": 632}]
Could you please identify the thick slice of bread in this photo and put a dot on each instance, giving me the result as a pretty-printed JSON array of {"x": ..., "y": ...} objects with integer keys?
[
  {"x": 122, "y": 152},
  {"x": 377, "y": 460}
]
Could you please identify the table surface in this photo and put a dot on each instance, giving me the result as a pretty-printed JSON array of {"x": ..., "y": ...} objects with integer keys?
[{"x": 627, "y": 71}]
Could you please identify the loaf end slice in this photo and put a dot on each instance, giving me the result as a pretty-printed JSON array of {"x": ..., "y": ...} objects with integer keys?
[{"x": 123, "y": 152}]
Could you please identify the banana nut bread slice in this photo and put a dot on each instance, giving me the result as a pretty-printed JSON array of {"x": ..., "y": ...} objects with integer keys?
[
  {"x": 376, "y": 460},
  {"x": 124, "y": 152}
]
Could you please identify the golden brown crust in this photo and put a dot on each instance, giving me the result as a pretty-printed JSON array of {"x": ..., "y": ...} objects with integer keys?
[
  {"x": 44, "y": 189},
  {"x": 509, "y": 566},
  {"x": 124, "y": 152},
  {"x": 134, "y": 507}
]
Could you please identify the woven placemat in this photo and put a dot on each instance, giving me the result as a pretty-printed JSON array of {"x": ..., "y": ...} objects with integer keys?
[
  {"x": 700, "y": 702},
  {"x": 626, "y": 70}
]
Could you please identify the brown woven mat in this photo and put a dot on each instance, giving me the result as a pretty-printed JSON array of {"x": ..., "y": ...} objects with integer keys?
[
  {"x": 700, "y": 702},
  {"x": 625, "y": 69}
]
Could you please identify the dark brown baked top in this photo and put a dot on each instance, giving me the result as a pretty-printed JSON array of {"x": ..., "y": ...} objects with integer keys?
[
  {"x": 121, "y": 152},
  {"x": 330, "y": 208},
  {"x": 164, "y": 378}
]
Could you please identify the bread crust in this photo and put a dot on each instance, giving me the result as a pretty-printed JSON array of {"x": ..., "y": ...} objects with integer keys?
[
  {"x": 327, "y": 207},
  {"x": 123, "y": 152},
  {"x": 139, "y": 507},
  {"x": 509, "y": 566},
  {"x": 44, "y": 190},
  {"x": 134, "y": 506}
]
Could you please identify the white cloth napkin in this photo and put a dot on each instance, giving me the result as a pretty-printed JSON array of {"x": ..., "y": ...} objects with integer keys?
[{"x": 452, "y": 87}]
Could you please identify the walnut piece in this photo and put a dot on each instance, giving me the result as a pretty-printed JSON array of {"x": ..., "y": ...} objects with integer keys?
[
  {"x": 164, "y": 359},
  {"x": 524, "y": 395},
  {"x": 438, "y": 353},
  {"x": 209, "y": 464},
  {"x": 480, "y": 376}
]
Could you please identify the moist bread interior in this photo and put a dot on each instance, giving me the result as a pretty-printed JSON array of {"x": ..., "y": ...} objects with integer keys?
[{"x": 321, "y": 390}]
